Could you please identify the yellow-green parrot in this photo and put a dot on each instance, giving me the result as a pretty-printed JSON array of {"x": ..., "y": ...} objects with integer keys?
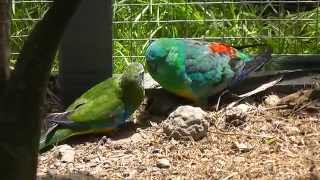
[{"x": 102, "y": 108}]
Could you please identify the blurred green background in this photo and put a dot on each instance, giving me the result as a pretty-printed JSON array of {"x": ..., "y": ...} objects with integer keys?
[{"x": 288, "y": 27}]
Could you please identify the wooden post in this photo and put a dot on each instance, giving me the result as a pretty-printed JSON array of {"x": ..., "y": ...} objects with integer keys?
[
  {"x": 4, "y": 41},
  {"x": 86, "y": 49}
]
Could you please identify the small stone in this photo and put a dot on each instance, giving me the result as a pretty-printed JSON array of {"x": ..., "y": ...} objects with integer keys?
[
  {"x": 186, "y": 123},
  {"x": 66, "y": 153},
  {"x": 272, "y": 100},
  {"x": 163, "y": 163},
  {"x": 243, "y": 107},
  {"x": 242, "y": 147}
]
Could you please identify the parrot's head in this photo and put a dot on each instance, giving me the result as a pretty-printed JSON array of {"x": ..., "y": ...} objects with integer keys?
[
  {"x": 157, "y": 52},
  {"x": 134, "y": 73},
  {"x": 132, "y": 85}
]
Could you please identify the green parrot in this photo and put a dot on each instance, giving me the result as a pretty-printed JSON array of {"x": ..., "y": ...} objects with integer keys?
[
  {"x": 102, "y": 108},
  {"x": 197, "y": 70}
]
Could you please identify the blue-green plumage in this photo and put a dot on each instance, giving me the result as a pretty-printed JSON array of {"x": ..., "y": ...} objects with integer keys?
[{"x": 197, "y": 70}]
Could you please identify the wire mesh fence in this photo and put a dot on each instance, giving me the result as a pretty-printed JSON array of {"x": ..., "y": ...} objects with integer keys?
[{"x": 291, "y": 27}]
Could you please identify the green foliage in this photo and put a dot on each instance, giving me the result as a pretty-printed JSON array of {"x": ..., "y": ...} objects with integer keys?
[
  {"x": 235, "y": 23},
  {"x": 24, "y": 17}
]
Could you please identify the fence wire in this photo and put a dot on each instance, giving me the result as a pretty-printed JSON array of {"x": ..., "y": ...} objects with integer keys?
[{"x": 291, "y": 27}]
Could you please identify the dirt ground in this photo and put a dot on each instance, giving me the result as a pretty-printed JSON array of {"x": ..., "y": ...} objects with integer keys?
[{"x": 269, "y": 143}]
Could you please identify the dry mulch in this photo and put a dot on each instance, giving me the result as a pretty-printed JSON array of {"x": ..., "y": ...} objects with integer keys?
[{"x": 270, "y": 143}]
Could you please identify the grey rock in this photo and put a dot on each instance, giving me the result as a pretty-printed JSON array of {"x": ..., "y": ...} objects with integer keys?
[{"x": 186, "y": 122}]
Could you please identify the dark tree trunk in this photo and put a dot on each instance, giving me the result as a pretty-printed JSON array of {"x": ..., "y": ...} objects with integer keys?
[
  {"x": 21, "y": 103},
  {"x": 4, "y": 41}
]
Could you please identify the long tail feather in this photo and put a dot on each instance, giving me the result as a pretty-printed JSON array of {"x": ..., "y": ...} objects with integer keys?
[
  {"x": 253, "y": 65},
  {"x": 292, "y": 63},
  {"x": 291, "y": 80},
  {"x": 61, "y": 128},
  {"x": 55, "y": 136},
  {"x": 53, "y": 133},
  {"x": 297, "y": 72}
]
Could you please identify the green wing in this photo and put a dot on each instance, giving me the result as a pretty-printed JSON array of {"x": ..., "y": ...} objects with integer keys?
[
  {"x": 99, "y": 103},
  {"x": 93, "y": 112}
]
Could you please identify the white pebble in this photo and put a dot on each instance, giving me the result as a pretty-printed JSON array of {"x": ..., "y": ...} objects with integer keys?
[
  {"x": 272, "y": 100},
  {"x": 243, "y": 107},
  {"x": 163, "y": 163}
]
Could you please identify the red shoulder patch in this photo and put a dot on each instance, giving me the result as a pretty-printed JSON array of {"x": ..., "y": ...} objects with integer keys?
[{"x": 222, "y": 48}]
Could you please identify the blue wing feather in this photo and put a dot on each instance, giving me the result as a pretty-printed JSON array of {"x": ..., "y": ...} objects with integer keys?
[{"x": 205, "y": 69}]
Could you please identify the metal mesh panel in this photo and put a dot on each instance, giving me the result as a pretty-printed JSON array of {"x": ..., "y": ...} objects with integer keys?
[{"x": 291, "y": 27}]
